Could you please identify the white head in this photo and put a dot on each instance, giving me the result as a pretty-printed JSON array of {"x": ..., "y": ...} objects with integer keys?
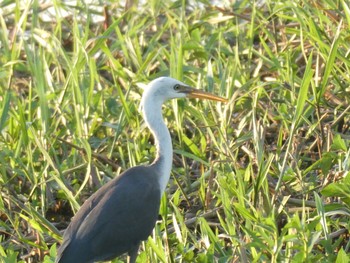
[
  {"x": 165, "y": 88},
  {"x": 162, "y": 89}
]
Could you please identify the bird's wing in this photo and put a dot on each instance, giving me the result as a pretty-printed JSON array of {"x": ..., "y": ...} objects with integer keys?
[
  {"x": 124, "y": 206},
  {"x": 119, "y": 215}
]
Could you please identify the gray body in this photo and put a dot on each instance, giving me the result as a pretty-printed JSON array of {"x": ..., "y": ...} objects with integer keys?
[{"x": 115, "y": 219}]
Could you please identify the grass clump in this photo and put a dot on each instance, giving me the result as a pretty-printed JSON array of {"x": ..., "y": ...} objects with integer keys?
[{"x": 262, "y": 179}]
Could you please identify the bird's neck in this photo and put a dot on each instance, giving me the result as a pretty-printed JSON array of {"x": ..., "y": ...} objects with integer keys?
[{"x": 163, "y": 161}]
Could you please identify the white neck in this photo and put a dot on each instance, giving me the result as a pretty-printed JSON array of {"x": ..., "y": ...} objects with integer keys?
[{"x": 154, "y": 119}]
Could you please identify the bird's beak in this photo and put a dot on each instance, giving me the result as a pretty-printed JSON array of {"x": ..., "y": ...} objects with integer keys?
[{"x": 195, "y": 93}]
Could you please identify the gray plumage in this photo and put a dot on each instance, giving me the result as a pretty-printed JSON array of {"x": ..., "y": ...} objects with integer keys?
[{"x": 104, "y": 229}]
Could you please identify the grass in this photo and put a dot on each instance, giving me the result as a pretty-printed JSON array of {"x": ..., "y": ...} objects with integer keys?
[{"x": 264, "y": 178}]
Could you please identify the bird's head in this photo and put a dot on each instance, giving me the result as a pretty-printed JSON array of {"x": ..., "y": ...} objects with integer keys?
[{"x": 166, "y": 88}]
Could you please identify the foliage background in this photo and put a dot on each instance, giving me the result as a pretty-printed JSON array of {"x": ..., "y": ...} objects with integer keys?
[{"x": 264, "y": 178}]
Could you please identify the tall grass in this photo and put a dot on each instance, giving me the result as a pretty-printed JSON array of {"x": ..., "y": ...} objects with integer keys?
[{"x": 263, "y": 178}]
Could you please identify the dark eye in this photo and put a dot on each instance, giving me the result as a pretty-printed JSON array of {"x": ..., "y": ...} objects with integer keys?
[{"x": 176, "y": 87}]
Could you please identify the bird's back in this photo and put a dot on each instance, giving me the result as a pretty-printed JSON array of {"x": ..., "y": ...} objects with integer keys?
[{"x": 114, "y": 220}]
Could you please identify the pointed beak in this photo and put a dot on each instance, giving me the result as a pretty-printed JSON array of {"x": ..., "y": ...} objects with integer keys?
[{"x": 195, "y": 93}]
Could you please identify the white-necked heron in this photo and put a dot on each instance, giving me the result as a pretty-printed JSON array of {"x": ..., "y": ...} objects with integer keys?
[{"x": 123, "y": 212}]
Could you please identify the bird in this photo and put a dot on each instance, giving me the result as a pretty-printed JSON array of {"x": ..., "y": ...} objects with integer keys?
[{"x": 123, "y": 212}]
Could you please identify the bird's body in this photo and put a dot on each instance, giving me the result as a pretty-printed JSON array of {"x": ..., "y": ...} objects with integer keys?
[
  {"x": 114, "y": 231},
  {"x": 122, "y": 213}
]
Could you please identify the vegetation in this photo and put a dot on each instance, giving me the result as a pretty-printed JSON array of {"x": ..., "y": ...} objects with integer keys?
[{"x": 264, "y": 178}]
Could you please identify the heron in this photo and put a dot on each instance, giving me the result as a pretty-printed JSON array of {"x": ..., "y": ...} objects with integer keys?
[{"x": 123, "y": 212}]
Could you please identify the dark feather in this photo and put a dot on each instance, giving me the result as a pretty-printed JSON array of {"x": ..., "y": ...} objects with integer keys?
[{"x": 113, "y": 221}]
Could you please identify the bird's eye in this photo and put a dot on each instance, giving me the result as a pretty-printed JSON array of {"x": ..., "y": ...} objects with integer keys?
[{"x": 176, "y": 87}]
